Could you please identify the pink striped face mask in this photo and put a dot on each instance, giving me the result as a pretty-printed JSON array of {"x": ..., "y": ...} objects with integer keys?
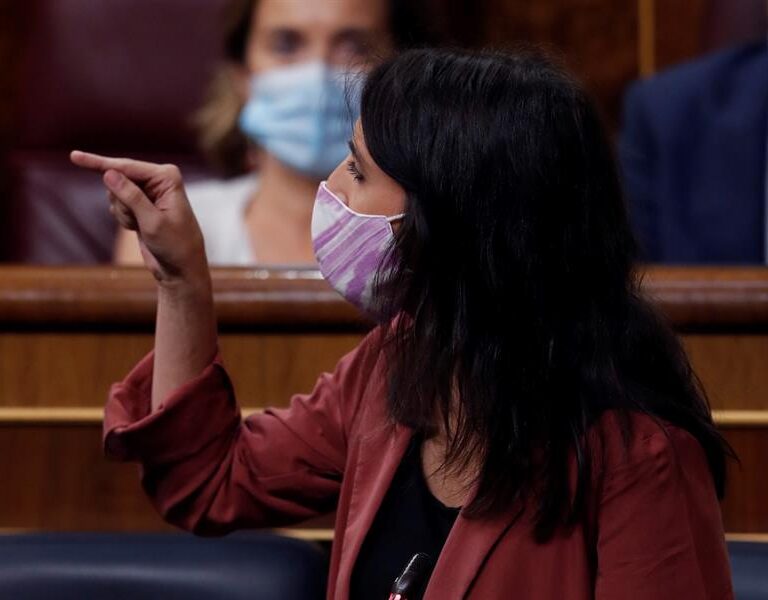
[{"x": 350, "y": 247}]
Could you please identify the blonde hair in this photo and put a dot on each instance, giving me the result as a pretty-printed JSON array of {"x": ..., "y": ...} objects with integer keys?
[{"x": 219, "y": 137}]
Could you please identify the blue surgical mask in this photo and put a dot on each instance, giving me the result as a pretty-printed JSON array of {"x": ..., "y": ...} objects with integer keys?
[{"x": 303, "y": 115}]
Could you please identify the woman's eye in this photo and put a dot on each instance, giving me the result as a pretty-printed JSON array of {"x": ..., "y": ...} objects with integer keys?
[
  {"x": 352, "y": 168},
  {"x": 284, "y": 42}
]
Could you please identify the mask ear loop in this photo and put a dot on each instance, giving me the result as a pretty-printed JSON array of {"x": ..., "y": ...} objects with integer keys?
[
  {"x": 391, "y": 220},
  {"x": 324, "y": 186}
]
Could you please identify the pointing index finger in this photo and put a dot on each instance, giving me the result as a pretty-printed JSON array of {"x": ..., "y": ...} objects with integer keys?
[{"x": 134, "y": 169}]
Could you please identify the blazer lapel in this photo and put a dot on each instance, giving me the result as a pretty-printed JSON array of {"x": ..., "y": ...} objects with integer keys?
[
  {"x": 379, "y": 457},
  {"x": 465, "y": 551}
]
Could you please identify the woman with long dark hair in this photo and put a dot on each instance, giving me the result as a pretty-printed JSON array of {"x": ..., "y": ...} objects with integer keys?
[{"x": 521, "y": 415}]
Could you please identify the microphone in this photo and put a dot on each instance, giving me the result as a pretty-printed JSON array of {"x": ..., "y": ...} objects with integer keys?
[{"x": 410, "y": 584}]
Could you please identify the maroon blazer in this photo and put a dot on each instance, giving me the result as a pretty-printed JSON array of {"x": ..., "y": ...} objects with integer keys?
[{"x": 654, "y": 530}]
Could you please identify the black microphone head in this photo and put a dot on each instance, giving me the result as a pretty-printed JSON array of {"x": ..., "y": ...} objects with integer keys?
[{"x": 412, "y": 580}]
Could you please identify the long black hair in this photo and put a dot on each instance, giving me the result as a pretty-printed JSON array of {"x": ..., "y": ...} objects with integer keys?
[{"x": 515, "y": 270}]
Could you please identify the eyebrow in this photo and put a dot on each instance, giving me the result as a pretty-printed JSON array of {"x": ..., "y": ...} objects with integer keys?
[{"x": 355, "y": 153}]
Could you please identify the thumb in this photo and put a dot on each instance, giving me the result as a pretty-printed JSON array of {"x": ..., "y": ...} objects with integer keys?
[{"x": 130, "y": 195}]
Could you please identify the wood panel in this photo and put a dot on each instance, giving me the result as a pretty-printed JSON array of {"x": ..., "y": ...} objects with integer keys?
[
  {"x": 124, "y": 299},
  {"x": 687, "y": 29},
  {"x": 251, "y": 299},
  {"x": 679, "y": 30},
  {"x": 62, "y": 482},
  {"x": 745, "y": 508},
  {"x": 74, "y": 369},
  {"x": 66, "y": 334},
  {"x": 58, "y": 480},
  {"x": 732, "y": 368},
  {"x": 598, "y": 40}
]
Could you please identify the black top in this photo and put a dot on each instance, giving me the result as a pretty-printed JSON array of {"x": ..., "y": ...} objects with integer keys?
[{"x": 410, "y": 520}]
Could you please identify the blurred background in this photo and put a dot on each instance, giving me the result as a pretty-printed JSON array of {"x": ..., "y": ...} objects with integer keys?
[
  {"x": 683, "y": 89},
  {"x": 130, "y": 78}
]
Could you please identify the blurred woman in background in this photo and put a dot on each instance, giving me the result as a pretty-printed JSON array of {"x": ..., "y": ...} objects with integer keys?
[{"x": 278, "y": 118}]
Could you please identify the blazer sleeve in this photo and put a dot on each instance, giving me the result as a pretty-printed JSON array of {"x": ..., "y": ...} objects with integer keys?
[
  {"x": 660, "y": 533},
  {"x": 209, "y": 472},
  {"x": 638, "y": 158}
]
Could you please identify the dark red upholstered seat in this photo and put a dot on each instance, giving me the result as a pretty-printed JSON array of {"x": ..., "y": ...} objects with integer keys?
[{"x": 114, "y": 76}]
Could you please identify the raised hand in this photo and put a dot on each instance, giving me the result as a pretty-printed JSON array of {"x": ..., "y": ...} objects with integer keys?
[{"x": 150, "y": 199}]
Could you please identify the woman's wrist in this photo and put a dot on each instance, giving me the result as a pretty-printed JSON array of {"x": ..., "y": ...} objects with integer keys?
[{"x": 191, "y": 286}]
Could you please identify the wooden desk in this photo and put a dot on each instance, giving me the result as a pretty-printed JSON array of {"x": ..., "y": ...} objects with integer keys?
[{"x": 66, "y": 334}]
